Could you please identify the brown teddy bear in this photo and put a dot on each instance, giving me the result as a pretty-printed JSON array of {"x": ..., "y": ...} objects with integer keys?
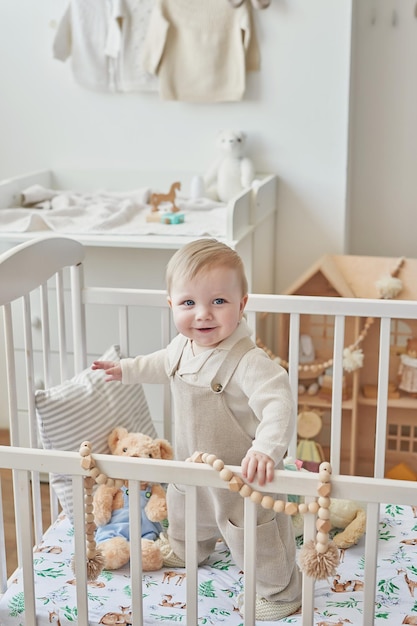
[{"x": 111, "y": 505}]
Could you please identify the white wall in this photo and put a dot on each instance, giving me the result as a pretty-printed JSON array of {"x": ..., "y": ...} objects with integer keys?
[
  {"x": 383, "y": 156},
  {"x": 295, "y": 113}
]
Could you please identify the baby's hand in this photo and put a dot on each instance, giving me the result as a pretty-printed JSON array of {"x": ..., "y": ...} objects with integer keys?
[
  {"x": 112, "y": 370},
  {"x": 256, "y": 464}
]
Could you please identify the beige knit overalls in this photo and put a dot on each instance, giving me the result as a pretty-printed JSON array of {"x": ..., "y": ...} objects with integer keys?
[{"x": 204, "y": 422}]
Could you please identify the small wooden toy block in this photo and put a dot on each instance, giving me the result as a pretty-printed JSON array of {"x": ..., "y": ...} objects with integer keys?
[
  {"x": 401, "y": 472},
  {"x": 172, "y": 218},
  {"x": 155, "y": 216}
]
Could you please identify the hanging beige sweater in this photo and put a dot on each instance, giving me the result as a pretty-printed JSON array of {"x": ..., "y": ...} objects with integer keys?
[{"x": 201, "y": 49}]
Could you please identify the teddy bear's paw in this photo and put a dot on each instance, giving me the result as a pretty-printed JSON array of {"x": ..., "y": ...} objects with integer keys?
[
  {"x": 152, "y": 558},
  {"x": 157, "y": 511},
  {"x": 115, "y": 552}
]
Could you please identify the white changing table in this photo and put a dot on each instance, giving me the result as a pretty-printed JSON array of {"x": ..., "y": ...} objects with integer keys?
[{"x": 140, "y": 261}]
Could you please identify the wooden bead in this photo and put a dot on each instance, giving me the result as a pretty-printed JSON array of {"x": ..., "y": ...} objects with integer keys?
[
  {"x": 267, "y": 502},
  {"x": 89, "y": 518},
  {"x": 245, "y": 491},
  {"x": 226, "y": 474},
  {"x": 210, "y": 459},
  {"x": 101, "y": 479},
  {"x": 291, "y": 508},
  {"x": 110, "y": 482},
  {"x": 218, "y": 465},
  {"x": 322, "y": 537},
  {"x": 91, "y": 554},
  {"x": 321, "y": 548},
  {"x": 303, "y": 508},
  {"x": 324, "y": 502},
  {"x": 313, "y": 507},
  {"x": 256, "y": 497},
  {"x": 324, "y": 489},
  {"x": 118, "y": 483},
  {"x": 94, "y": 472},
  {"x": 324, "y": 477},
  {"x": 279, "y": 506},
  {"x": 89, "y": 483},
  {"x": 197, "y": 457},
  {"x": 85, "y": 448},
  {"x": 87, "y": 462},
  {"x": 323, "y": 513},
  {"x": 235, "y": 484},
  {"x": 204, "y": 457},
  {"x": 323, "y": 525}
]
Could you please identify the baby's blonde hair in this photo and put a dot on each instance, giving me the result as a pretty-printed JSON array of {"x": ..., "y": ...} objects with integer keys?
[{"x": 203, "y": 254}]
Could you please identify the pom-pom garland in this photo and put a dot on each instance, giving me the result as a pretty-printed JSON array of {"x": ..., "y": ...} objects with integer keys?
[
  {"x": 319, "y": 558},
  {"x": 389, "y": 287}
]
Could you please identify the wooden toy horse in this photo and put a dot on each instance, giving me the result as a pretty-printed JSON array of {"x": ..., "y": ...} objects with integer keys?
[{"x": 157, "y": 198}]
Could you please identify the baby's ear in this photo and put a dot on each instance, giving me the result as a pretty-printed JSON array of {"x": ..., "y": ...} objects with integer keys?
[{"x": 169, "y": 302}]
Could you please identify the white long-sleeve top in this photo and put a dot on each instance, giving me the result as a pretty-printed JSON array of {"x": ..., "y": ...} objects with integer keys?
[
  {"x": 105, "y": 40},
  {"x": 201, "y": 49},
  {"x": 258, "y": 394}
]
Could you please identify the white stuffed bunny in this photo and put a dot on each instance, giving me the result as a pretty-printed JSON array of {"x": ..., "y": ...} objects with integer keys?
[{"x": 231, "y": 172}]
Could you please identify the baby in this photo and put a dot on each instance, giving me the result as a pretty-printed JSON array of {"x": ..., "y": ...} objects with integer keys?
[{"x": 231, "y": 400}]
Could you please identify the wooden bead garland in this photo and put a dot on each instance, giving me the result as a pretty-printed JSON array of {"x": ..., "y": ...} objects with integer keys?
[
  {"x": 94, "y": 557},
  {"x": 318, "y": 558}
]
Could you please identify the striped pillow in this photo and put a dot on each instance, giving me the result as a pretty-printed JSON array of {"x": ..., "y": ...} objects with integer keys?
[{"x": 88, "y": 408}]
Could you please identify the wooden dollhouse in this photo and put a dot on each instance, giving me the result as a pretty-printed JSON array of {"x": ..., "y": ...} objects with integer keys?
[{"x": 358, "y": 277}]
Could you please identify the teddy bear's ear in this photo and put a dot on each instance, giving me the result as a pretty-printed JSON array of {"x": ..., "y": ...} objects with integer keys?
[
  {"x": 165, "y": 448},
  {"x": 115, "y": 436}
]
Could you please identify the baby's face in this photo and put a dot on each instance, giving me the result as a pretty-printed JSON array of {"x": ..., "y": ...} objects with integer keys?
[{"x": 208, "y": 308}]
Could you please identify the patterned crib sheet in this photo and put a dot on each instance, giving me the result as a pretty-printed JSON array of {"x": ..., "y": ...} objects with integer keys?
[{"x": 337, "y": 600}]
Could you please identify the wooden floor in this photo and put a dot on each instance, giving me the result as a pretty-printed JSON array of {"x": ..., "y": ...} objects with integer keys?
[{"x": 8, "y": 509}]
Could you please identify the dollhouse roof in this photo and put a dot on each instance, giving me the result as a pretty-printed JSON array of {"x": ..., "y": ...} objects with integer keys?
[{"x": 351, "y": 276}]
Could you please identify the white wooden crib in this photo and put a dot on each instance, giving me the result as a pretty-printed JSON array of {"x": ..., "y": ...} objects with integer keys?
[{"x": 50, "y": 324}]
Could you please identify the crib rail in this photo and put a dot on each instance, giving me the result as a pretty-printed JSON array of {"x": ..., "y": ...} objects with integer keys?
[{"x": 26, "y": 461}]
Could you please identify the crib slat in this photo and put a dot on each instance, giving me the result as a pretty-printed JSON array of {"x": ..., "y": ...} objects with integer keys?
[
  {"x": 78, "y": 316},
  {"x": 3, "y": 561},
  {"x": 80, "y": 550},
  {"x": 371, "y": 556},
  {"x": 62, "y": 334},
  {"x": 308, "y": 587},
  {"x": 382, "y": 404},
  {"x": 191, "y": 553},
  {"x": 135, "y": 532},
  {"x": 24, "y": 512},
  {"x": 249, "y": 543},
  {"x": 293, "y": 350},
  {"x": 336, "y": 412},
  {"x": 11, "y": 375}
]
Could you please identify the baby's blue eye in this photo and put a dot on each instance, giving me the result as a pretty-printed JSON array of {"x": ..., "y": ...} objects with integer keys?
[
  {"x": 219, "y": 301},
  {"x": 188, "y": 302}
]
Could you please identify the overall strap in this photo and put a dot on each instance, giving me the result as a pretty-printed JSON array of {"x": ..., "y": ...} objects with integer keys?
[{"x": 230, "y": 363}]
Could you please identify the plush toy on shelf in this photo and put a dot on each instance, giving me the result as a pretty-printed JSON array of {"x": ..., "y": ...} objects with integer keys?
[
  {"x": 232, "y": 171},
  {"x": 407, "y": 372}
]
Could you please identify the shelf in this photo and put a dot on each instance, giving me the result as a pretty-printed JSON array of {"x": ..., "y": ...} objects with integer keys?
[
  {"x": 396, "y": 403},
  {"x": 319, "y": 402}
]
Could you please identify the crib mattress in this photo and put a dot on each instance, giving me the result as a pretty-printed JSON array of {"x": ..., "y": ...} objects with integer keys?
[{"x": 337, "y": 600}]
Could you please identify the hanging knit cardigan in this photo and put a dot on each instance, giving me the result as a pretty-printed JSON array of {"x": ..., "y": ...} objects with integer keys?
[{"x": 201, "y": 49}]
